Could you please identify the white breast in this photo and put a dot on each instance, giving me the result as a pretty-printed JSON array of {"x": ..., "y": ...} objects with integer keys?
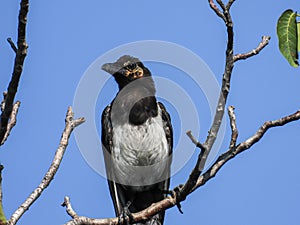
[{"x": 140, "y": 152}]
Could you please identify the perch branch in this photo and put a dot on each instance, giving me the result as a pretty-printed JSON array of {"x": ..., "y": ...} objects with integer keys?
[
  {"x": 264, "y": 42},
  {"x": 171, "y": 201},
  {"x": 70, "y": 124},
  {"x": 17, "y": 70}
]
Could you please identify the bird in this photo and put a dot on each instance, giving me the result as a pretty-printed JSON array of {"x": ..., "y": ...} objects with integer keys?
[{"x": 137, "y": 142}]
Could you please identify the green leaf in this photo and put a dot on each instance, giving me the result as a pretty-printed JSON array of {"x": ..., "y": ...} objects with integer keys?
[
  {"x": 288, "y": 36},
  {"x": 2, "y": 216},
  {"x": 298, "y": 29}
]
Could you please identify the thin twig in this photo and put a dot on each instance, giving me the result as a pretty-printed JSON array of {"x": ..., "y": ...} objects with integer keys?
[
  {"x": 18, "y": 68},
  {"x": 69, "y": 208},
  {"x": 194, "y": 140},
  {"x": 265, "y": 41},
  {"x": 232, "y": 152},
  {"x": 185, "y": 189},
  {"x": 12, "y": 120},
  {"x": 221, "y": 4},
  {"x": 229, "y": 4},
  {"x": 70, "y": 124},
  {"x": 216, "y": 10},
  {"x": 234, "y": 130},
  {"x": 12, "y": 44}
]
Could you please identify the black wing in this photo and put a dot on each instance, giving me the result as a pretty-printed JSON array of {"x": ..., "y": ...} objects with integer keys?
[
  {"x": 167, "y": 126},
  {"x": 107, "y": 145},
  {"x": 164, "y": 185}
]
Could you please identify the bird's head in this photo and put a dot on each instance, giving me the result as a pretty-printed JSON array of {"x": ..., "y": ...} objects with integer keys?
[{"x": 126, "y": 69}]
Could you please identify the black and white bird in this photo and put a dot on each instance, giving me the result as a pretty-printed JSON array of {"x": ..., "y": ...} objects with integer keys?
[{"x": 137, "y": 140}]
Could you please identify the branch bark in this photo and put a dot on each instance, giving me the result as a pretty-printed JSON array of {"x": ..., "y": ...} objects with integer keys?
[
  {"x": 195, "y": 180},
  {"x": 2, "y": 215},
  {"x": 234, "y": 130},
  {"x": 213, "y": 132},
  {"x": 12, "y": 120},
  {"x": 264, "y": 42},
  {"x": 171, "y": 201},
  {"x": 70, "y": 124},
  {"x": 21, "y": 53}
]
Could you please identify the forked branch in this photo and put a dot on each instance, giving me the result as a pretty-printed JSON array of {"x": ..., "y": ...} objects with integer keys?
[
  {"x": 171, "y": 201},
  {"x": 70, "y": 124},
  {"x": 21, "y": 52}
]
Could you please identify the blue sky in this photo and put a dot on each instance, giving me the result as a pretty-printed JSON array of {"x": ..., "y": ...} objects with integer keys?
[{"x": 260, "y": 186}]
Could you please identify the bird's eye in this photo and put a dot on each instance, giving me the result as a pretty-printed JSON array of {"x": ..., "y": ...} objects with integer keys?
[{"x": 131, "y": 66}]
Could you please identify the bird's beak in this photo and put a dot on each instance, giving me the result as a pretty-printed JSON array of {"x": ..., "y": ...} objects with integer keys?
[{"x": 110, "y": 68}]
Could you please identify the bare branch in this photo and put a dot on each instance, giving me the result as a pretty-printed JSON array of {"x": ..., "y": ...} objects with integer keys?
[
  {"x": 70, "y": 124},
  {"x": 190, "y": 183},
  {"x": 171, "y": 201},
  {"x": 213, "y": 132},
  {"x": 3, "y": 101},
  {"x": 12, "y": 121},
  {"x": 265, "y": 41},
  {"x": 232, "y": 152},
  {"x": 12, "y": 45},
  {"x": 18, "y": 68},
  {"x": 194, "y": 140},
  {"x": 69, "y": 208},
  {"x": 221, "y": 4},
  {"x": 234, "y": 131},
  {"x": 216, "y": 10},
  {"x": 164, "y": 204},
  {"x": 229, "y": 4}
]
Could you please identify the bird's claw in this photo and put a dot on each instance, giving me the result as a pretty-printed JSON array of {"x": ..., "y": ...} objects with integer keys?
[
  {"x": 176, "y": 194},
  {"x": 125, "y": 217}
]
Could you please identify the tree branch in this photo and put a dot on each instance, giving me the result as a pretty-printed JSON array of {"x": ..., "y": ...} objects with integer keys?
[
  {"x": 70, "y": 124},
  {"x": 215, "y": 127},
  {"x": 2, "y": 215},
  {"x": 18, "y": 68},
  {"x": 12, "y": 45},
  {"x": 171, "y": 201},
  {"x": 12, "y": 121},
  {"x": 265, "y": 41},
  {"x": 215, "y": 9},
  {"x": 195, "y": 180},
  {"x": 234, "y": 131},
  {"x": 69, "y": 208},
  {"x": 232, "y": 152},
  {"x": 229, "y": 4}
]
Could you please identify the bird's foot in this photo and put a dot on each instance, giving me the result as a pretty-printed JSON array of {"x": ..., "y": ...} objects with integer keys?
[
  {"x": 125, "y": 217},
  {"x": 175, "y": 193}
]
